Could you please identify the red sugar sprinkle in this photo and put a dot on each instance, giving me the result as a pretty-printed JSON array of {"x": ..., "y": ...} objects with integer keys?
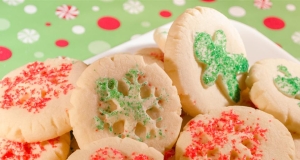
[
  {"x": 159, "y": 56},
  {"x": 169, "y": 154},
  {"x": 48, "y": 83},
  {"x": 208, "y": 136},
  {"x": 107, "y": 153},
  {"x": 140, "y": 157},
  {"x": 24, "y": 151}
]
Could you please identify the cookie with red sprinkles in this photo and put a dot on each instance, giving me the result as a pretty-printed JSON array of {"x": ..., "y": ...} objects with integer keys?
[
  {"x": 235, "y": 132},
  {"x": 56, "y": 148},
  {"x": 114, "y": 148},
  {"x": 122, "y": 96},
  {"x": 35, "y": 99},
  {"x": 152, "y": 55}
]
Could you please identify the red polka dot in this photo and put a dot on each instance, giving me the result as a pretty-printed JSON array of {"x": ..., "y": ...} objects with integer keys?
[
  {"x": 5, "y": 53},
  {"x": 165, "y": 13},
  {"x": 274, "y": 23},
  {"x": 62, "y": 43},
  {"x": 109, "y": 23},
  {"x": 48, "y": 24},
  {"x": 208, "y": 0}
]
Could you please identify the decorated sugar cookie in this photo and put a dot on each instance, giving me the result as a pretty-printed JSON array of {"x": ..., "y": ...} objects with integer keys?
[
  {"x": 160, "y": 36},
  {"x": 235, "y": 132},
  {"x": 296, "y": 138},
  {"x": 114, "y": 148},
  {"x": 56, "y": 148},
  {"x": 122, "y": 96},
  {"x": 35, "y": 99},
  {"x": 152, "y": 55},
  {"x": 206, "y": 59},
  {"x": 275, "y": 88}
]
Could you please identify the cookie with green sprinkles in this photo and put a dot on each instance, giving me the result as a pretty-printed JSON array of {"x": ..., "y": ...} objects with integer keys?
[
  {"x": 115, "y": 148},
  {"x": 35, "y": 98},
  {"x": 56, "y": 148},
  {"x": 275, "y": 88},
  {"x": 206, "y": 59},
  {"x": 235, "y": 132},
  {"x": 122, "y": 96}
]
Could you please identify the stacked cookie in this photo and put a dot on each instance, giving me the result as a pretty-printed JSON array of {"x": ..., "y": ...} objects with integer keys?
[{"x": 35, "y": 98}]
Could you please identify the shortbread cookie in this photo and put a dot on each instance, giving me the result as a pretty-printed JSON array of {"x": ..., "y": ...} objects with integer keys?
[
  {"x": 116, "y": 148},
  {"x": 122, "y": 96},
  {"x": 35, "y": 99},
  {"x": 160, "y": 36},
  {"x": 205, "y": 58},
  {"x": 296, "y": 138},
  {"x": 57, "y": 148},
  {"x": 235, "y": 132},
  {"x": 152, "y": 55},
  {"x": 275, "y": 88}
]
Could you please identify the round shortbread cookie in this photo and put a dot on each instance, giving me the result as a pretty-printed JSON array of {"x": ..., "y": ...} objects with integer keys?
[
  {"x": 160, "y": 36},
  {"x": 57, "y": 148},
  {"x": 116, "y": 148},
  {"x": 296, "y": 138},
  {"x": 152, "y": 55},
  {"x": 235, "y": 132},
  {"x": 205, "y": 58},
  {"x": 35, "y": 99},
  {"x": 275, "y": 88},
  {"x": 122, "y": 96}
]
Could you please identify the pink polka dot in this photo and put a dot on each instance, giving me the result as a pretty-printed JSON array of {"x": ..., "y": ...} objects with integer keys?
[
  {"x": 165, "y": 13},
  {"x": 5, "y": 53},
  {"x": 109, "y": 23},
  {"x": 208, "y": 0},
  {"x": 274, "y": 23},
  {"x": 62, "y": 43}
]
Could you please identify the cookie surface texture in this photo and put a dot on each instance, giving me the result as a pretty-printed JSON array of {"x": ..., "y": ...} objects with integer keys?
[
  {"x": 152, "y": 55},
  {"x": 123, "y": 96},
  {"x": 57, "y": 148},
  {"x": 205, "y": 58},
  {"x": 116, "y": 148},
  {"x": 275, "y": 88},
  {"x": 160, "y": 36},
  {"x": 35, "y": 99},
  {"x": 235, "y": 132}
]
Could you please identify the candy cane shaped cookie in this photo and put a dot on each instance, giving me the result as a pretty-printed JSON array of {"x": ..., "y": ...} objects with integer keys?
[
  {"x": 122, "y": 96},
  {"x": 235, "y": 132},
  {"x": 35, "y": 99}
]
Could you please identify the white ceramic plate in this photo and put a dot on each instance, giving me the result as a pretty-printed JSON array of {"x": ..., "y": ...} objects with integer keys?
[{"x": 257, "y": 45}]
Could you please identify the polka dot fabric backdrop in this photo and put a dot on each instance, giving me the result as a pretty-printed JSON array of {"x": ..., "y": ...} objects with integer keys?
[{"x": 32, "y": 30}]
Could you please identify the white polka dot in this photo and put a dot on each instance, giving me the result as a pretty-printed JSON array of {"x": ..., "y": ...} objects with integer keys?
[
  {"x": 30, "y": 9},
  {"x": 39, "y": 54},
  {"x": 290, "y": 7},
  {"x": 97, "y": 47},
  {"x": 135, "y": 36},
  {"x": 4, "y": 24},
  {"x": 179, "y": 2},
  {"x": 78, "y": 29},
  {"x": 145, "y": 24},
  {"x": 95, "y": 8},
  {"x": 237, "y": 11}
]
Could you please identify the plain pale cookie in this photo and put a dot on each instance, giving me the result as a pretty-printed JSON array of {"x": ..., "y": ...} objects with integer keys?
[
  {"x": 35, "y": 99},
  {"x": 275, "y": 88},
  {"x": 235, "y": 132},
  {"x": 152, "y": 55},
  {"x": 296, "y": 138},
  {"x": 160, "y": 36},
  {"x": 122, "y": 96},
  {"x": 57, "y": 148},
  {"x": 203, "y": 56},
  {"x": 116, "y": 148}
]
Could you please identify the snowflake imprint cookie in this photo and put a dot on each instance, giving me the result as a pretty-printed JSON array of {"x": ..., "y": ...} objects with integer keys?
[
  {"x": 114, "y": 148},
  {"x": 235, "y": 132},
  {"x": 122, "y": 96},
  {"x": 275, "y": 88},
  {"x": 35, "y": 99},
  {"x": 206, "y": 59}
]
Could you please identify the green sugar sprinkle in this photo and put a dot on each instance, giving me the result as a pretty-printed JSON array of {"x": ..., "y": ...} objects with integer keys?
[
  {"x": 218, "y": 62},
  {"x": 131, "y": 106},
  {"x": 288, "y": 85}
]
